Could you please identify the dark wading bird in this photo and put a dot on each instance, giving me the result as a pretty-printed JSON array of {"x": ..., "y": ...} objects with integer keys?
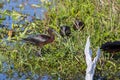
[
  {"x": 65, "y": 31},
  {"x": 78, "y": 25},
  {"x": 111, "y": 47},
  {"x": 42, "y": 39}
]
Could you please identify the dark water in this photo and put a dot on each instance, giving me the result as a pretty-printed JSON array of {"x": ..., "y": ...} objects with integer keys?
[{"x": 30, "y": 12}]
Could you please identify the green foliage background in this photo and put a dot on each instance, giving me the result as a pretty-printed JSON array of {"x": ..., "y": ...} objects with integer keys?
[{"x": 65, "y": 56}]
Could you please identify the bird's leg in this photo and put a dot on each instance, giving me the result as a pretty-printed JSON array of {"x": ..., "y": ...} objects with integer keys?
[
  {"x": 112, "y": 56},
  {"x": 39, "y": 53}
]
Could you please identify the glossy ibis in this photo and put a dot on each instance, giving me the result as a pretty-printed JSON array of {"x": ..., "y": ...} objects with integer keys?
[
  {"x": 78, "y": 25},
  {"x": 111, "y": 47},
  {"x": 65, "y": 31},
  {"x": 42, "y": 39}
]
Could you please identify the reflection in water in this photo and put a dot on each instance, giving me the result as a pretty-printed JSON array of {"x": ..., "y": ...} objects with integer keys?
[
  {"x": 8, "y": 22},
  {"x": 25, "y": 7},
  {"x": 3, "y": 76}
]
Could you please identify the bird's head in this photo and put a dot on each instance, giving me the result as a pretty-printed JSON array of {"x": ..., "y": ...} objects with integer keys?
[{"x": 50, "y": 30}]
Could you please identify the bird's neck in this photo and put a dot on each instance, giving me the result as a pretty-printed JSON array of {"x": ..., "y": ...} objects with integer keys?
[{"x": 52, "y": 36}]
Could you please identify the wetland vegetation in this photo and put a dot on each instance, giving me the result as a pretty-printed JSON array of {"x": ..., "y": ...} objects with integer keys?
[{"x": 63, "y": 59}]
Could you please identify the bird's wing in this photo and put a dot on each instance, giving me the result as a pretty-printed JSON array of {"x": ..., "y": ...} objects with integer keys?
[
  {"x": 42, "y": 38},
  {"x": 116, "y": 42},
  {"x": 37, "y": 39},
  {"x": 31, "y": 40},
  {"x": 111, "y": 46}
]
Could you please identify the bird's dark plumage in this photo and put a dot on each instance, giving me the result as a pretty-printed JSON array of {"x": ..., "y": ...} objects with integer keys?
[
  {"x": 65, "y": 31},
  {"x": 41, "y": 39},
  {"x": 37, "y": 39},
  {"x": 111, "y": 47},
  {"x": 78, "y": 25}
]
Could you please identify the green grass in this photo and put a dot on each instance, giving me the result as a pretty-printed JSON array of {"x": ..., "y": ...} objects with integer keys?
[{"x": 65, "y": 58}]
